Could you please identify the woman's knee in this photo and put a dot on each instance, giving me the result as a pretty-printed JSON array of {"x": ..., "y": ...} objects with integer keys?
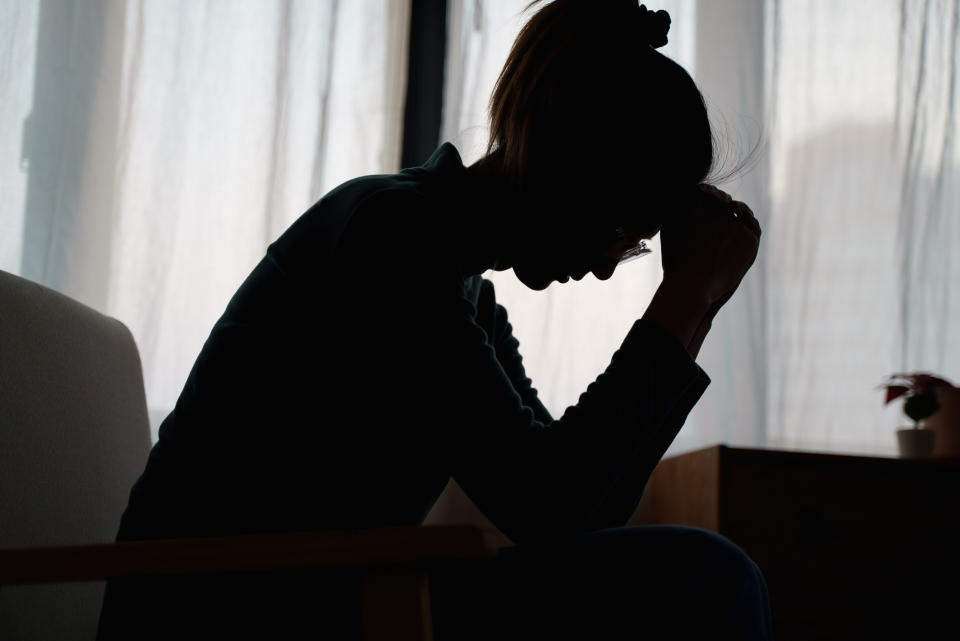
[
  {"x": 680, "y": 556},
  {"x": 661, "y": 573},
  {"x": 709, "y": 557},
  {"x": 687, "y": 559},
  {"x": 731, "y": 587},
  {"x": 724, "y": 585},
  {"x": 709, "y": 545}
]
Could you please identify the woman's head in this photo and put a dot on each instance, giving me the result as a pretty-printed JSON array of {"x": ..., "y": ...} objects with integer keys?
[{"x": 592, "y": 126}]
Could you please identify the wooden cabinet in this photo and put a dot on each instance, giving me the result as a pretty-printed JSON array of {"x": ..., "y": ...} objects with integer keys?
[{"x": 852, "y": 547}]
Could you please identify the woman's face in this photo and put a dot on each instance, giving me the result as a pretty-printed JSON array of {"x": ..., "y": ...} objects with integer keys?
[
  {"x": 542, "y": 263},
  {"x": 568, "y": 244}
]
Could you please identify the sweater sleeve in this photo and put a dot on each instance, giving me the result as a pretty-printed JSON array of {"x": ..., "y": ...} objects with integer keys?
[
  {"x": 507, "y": 349},
  {"x": 623, "y": 496},
  {"x": 537, "y": 479},
  {"x": 533, "y": 477}
]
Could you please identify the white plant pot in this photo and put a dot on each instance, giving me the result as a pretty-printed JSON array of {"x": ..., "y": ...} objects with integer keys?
[{"x": 916, "y": 442}]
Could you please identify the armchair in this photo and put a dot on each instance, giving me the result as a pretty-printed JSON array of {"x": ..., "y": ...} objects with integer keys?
[{"x": 74, "y": 435}]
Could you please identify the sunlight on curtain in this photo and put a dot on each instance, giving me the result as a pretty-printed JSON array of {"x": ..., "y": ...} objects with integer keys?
[
  {"x": 855, "y": 183},
  {"x": 862, "y": 278},
  {"x": 18, "y": 41},
  {"x": 167, "y": 143}
]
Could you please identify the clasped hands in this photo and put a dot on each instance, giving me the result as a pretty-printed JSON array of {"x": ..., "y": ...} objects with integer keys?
[{"x": 707, "y": 248}]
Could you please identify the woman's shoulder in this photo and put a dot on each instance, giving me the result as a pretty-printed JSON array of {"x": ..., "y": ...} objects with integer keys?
[{"x": 376, "y": 207}]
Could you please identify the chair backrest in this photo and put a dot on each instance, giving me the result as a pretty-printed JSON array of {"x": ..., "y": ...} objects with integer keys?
[{"x": 74, "y": 436}]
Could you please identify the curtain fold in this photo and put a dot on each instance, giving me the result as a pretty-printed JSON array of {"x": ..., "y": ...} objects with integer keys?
[
  {"x": 165, "y": 144},
  {"x": 926, "y": 142}
]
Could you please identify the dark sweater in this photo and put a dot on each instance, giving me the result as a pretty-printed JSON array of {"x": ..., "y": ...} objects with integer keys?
[{"x": 359, "y": 368}]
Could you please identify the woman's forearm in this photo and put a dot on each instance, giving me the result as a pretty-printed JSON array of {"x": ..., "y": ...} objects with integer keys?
[
  {"x": 682, "y": 313},
  {"x": 693, "y": 348}
]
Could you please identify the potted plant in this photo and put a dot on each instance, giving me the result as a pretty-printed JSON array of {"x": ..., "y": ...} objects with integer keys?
[{"x": 921, "y": 401}]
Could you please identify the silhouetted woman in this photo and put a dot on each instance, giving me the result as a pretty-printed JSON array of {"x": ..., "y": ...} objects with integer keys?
[{"x": 365, "y": 362}]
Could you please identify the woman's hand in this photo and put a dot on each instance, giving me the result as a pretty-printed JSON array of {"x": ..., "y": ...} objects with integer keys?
[{"x": 708, "y": 248}]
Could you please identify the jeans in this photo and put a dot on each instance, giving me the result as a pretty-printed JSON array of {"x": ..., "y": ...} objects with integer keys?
[{"x": 649, "y": 582}]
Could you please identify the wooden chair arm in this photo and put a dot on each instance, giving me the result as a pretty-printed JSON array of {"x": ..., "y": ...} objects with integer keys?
[{"x": 368, "y": 547}]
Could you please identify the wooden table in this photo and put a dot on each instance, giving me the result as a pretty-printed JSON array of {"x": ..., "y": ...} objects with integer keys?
[{"x": 852, "y": 547}]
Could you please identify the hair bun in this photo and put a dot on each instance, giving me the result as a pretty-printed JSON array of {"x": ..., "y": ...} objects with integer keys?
[{"x": 654, "y": 26}]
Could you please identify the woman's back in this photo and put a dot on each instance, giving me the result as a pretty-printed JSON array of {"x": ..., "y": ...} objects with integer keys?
[{"x": 297, "y": 413}]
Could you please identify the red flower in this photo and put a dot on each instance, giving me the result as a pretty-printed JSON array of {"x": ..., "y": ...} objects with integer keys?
[
  {"x": 895, "y": 391},
  {"x": 913, "y": 384}
]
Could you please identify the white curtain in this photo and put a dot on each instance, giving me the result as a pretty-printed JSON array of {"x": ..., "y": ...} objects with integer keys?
[
  {"x": 151, "y": 150},
  {"x": 855, "y": 183},
  {"x": 865, "y": 202}
]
